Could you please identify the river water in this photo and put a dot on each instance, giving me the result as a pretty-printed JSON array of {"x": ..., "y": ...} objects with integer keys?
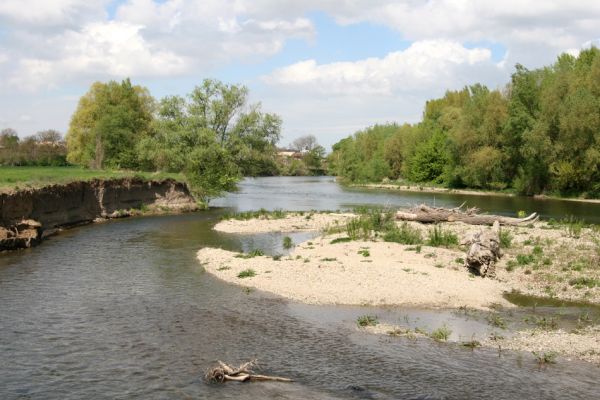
[{"x": 122, "y": 310}]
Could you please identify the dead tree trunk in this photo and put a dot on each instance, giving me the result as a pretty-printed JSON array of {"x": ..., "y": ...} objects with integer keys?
[
  {"x": 427, "y": 214},
  {"x": 484, "y": 251}
]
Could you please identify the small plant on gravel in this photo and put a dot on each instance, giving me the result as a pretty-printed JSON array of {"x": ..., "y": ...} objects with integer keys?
[
  {"x": 247, "y": 273},
  {"x": 287, "y": 242},
  {"x": 459, "y": 260},
  {"x": 404, "y": 234},
  {"x": 364, "y": 253},
  {"x": 223, "y": 268},
  {"x": 341, "y": 240},
  {"x": 545, "y": 357},
  {"x": 583, "y": 281},
  {"x": 496, "y": 320},
  {"x": 252, "y": 254},
  {"x": 505, "y": 239},
  {"x": 277, "y": 257},
  {"x": 438, "y": 237},
  {"x": 367, "y": 320},
  {"x": 472, "y": 344},
  {"x": 329, "y": 259},
  {"x": 441, "y": 334}
]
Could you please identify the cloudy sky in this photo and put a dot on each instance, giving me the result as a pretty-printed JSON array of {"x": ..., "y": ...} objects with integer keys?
[{"x": 327, "y": 67}]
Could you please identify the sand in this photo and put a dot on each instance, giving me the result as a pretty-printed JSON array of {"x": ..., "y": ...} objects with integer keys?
[
  {"x": 379, "y": 273},
  {"x": 391, "y": 274},
  {"x": 293, "y": 222}
]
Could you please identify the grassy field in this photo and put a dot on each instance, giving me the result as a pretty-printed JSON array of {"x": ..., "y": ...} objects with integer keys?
[{"x": 24, "y": 177}]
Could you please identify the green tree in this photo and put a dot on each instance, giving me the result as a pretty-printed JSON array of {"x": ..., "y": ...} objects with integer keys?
[{"x": 109, "y": 121}]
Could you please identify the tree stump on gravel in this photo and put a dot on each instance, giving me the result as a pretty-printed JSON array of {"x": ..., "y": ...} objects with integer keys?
[{"x": 484, "y": 251}]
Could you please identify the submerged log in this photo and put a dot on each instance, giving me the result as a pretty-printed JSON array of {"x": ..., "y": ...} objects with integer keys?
[
  {"x": 244, "y": 373},
  {"x": 483, "y": 251},
  {"x": 427, "y": 214}
]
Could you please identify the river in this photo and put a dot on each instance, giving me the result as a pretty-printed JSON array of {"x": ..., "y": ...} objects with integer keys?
[{"x": 122, "y": 310}]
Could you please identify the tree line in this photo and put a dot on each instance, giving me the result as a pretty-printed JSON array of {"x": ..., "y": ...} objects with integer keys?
[
  {"x": 45, "y": 148},
  {"x": 538, "y": 134}
]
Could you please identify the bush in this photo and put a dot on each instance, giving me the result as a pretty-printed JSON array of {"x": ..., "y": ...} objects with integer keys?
[
  {"x": 404, "y": 234},
  {"x": 367, "y": 320},
  {"x": 247, "y": 273},
  {"x": 441, "y": 334},
  {"x": 439, "y": 237},
  {"x": 287, "y": 242}
]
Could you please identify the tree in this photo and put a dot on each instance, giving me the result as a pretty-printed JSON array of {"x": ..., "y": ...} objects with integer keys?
[
  {"x": 212, "y": 136},
  {"x": 110, "y": 120},
  {"x": 304, "y": 143}
]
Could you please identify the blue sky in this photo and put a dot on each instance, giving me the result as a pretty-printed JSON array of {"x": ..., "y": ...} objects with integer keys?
[{"x": 329, "y": 68}]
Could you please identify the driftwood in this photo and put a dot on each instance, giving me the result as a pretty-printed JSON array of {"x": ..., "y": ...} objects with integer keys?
[
  {"x": 427, "y": 214},
  {"x": 244, "y": 373},
  {"x": 484, "y": 251}
]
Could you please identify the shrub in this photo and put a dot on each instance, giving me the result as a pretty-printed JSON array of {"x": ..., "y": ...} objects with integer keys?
[
  {"x": 247, "y": 273},
  {"x": 404, "y": 234},
  {"x": 439, "y": 237},
  {"x": 441, "y": 334},
  {"x": 505, "y": 239},
  {"x": 287, "y": 242},
  {"x": 367, "y": 320}
]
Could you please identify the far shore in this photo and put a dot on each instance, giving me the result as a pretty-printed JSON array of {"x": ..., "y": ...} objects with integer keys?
[
  {"x": 470, "y": 192},
  {"x": 331, "y": 269}
]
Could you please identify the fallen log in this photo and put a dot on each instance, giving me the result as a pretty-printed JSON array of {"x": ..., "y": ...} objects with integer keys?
[
  {"x": 426, "y": 214},
  {"x": 244, "y": 373}
]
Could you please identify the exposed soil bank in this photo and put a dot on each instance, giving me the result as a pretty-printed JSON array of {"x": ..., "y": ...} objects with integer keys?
[{"x": 54, "y": 207}]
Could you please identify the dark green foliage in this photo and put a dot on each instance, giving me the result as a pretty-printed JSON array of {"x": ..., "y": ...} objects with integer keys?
[
  {"x": 287, "y": 242},
  {"x": 537, "y": 135}
]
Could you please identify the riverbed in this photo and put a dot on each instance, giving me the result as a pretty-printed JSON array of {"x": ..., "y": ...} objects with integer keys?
[{"x": 123, "y": 310}]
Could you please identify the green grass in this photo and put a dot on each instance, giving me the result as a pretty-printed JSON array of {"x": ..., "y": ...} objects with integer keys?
[
  {"x": 505, "y": 239},
  {"x": 34, "y": 177},
  {"x": 404, "y": 234},
  {"x": 252, "y": 254},
  {"x": 441, "y": 334},
  {"x": 545, "y": 357},
  {"x": 341, "y": 240},
  {"x": 287, "y": 242},
  {"x": 367, "y": 320},
  {"x": 247, "y": 273},
  {"x": 246, "y": 215},
  {"x": 583, "y": 281},
  {"x": 438, "y": 237}
]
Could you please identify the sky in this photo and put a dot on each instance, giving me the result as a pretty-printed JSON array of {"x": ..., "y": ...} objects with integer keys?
[{"x": 328, "y": 68}]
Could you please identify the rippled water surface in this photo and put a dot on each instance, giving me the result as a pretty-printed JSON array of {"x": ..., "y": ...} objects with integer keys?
[{"x": 123, "y": 310}]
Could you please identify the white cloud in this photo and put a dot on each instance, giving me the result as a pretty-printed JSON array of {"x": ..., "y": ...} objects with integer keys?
[
  {"x": 42, "y": 13},
  {"x": 425, "y": 64},
  {"x": 112, "y": 49}
]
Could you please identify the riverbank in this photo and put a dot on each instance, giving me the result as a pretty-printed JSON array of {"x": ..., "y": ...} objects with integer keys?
[
  {"x": 29, "y": 215},
  {"x": 539, "y": 259},
  {"x": 470, "y": 192}
]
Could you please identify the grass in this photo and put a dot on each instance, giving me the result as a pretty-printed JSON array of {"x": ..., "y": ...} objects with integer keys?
[
  {"x": 438, "y": 237},
  {"x": 441, "y": 334},
  {"x": 505, "y": 239},
  {"x": 367, "y": 320},
  {"x": 496, "y": 320},
  {"x": 252, "y": 254},
  {"x": 34, "y": 177},
  {"x": 262, "y": 213},
  {"x": 404, "y": 234},
  {"x": 287, "y": 242},
  {"x": 341, "y": 240},
  {"x": 543, "y": 358},
  {"x": 247, "y": 273},
  {"x": 583, "y": 281}
]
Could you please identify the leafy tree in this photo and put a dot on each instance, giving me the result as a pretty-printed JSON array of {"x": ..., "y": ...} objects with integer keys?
[
  {"x": 213, "y": 136},
  {"x": 109, "y": 121}
]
